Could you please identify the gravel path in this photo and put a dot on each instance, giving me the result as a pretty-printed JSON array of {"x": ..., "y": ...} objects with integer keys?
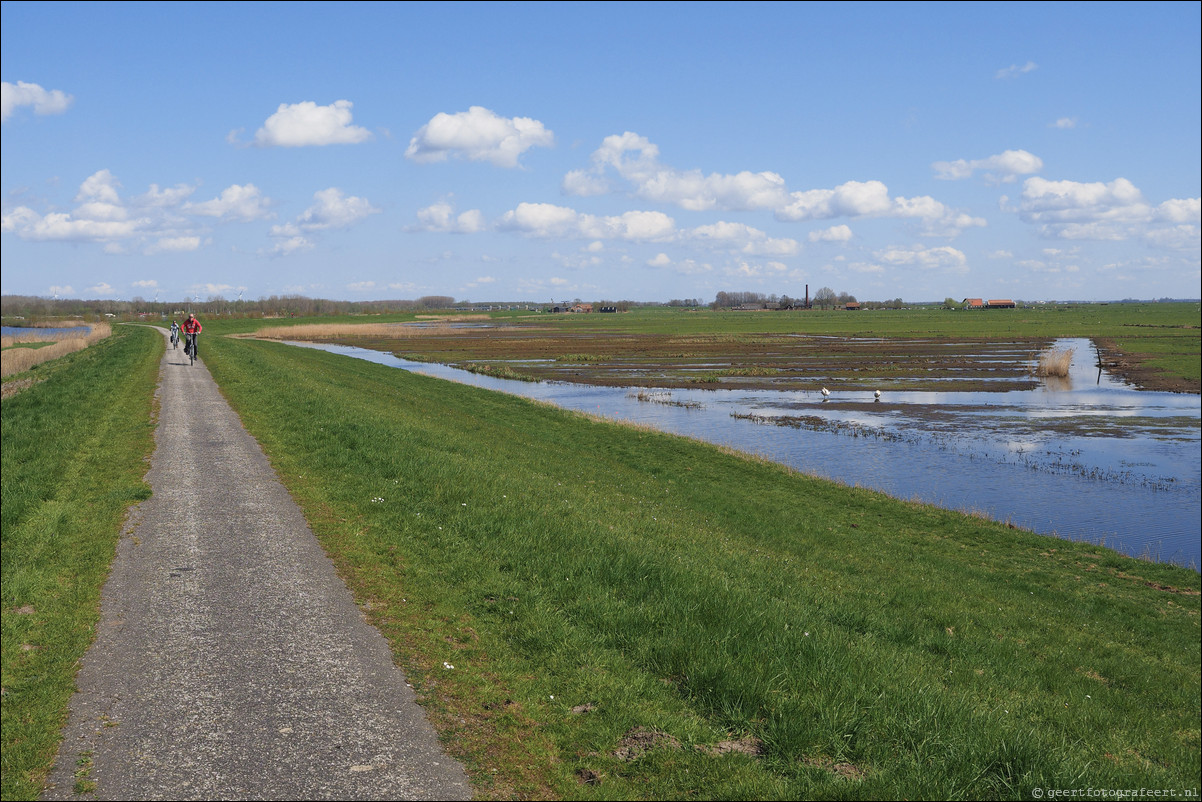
[{"x": 231, "y": 661}]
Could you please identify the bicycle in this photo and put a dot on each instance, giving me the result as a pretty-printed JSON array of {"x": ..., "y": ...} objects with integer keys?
[
  {"x": 175, "y": 339},
  {"x": 190, "y": 347}
]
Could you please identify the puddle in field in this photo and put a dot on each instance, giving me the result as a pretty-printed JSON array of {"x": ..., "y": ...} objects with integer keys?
[{"x": 1085, "y": 457}]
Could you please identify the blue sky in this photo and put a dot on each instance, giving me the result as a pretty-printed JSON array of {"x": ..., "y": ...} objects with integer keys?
[{"x": 603, "y": 151}]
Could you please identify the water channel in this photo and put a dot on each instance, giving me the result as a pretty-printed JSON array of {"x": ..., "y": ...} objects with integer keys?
[{"x": 1086, "y": 457}]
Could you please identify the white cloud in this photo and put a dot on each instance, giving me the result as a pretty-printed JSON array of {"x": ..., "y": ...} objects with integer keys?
[
  {"x": 146, "y": 284},
  {"x": 361, "y": 286},
  {"x": 478, "y": 134},
  {"x": 1064, "y": 122},
  {"x": 1184, "y": 210},
  {"x": 175, "y": 244},
  {"x": 102, "y": 289},
  {"x": 852, "y": 199},
  {"x": 926, "y": 258},
  {"x": 745, "y": 239},
  {"x": 839, "y": 233},
  {"x": 871, "y": 199},
  {"x": 1095, "y": 210},
  {"x": 1001, "y": 168},
  {"x": 636, "y": 160},
  {"x": 334, "y": 210},
  {"x": 306, "y": 124},
  {"x": 211, "y": 290},
  {"x": 1016, "y": 69},
  {"x": 441, "y": 217},
  {"x": 236, "y": 202},
  {"x": 1182, "y": 237},
  {"x": 750, "y": 270},
  {"x": 14, "y": 96},
  {"x": 548, "y": 220},
  {"x": 166, "y": 198},
  {"x": 60, "y": 290},
  {"x": 291, "y": 245}
]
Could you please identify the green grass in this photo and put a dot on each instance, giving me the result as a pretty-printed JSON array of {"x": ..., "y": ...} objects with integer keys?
[
  {"x": 74, "y": 447},
  {"x": 872, "y": 648}
]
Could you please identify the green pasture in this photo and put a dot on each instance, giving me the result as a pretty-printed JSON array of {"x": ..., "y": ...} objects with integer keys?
[
  {"x": 74, "y": 447},
  {"x": 595, "y": 611}
]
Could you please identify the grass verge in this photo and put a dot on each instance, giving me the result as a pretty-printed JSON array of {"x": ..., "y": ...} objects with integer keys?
[
  {"x": 596, "y": 611},
  {"x": 74, "y": 448}
]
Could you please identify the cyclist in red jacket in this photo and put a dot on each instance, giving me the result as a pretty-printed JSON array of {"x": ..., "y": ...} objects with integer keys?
[{"x": 192, "y": 327}]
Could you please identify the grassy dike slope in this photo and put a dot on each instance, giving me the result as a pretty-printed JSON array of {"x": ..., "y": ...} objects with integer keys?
[
  {"x": 74, "y": 456},
  {"x": 596, "y": 611}
]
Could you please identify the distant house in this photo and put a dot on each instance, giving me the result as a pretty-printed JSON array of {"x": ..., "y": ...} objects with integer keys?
[
  {"x": 852, "y": 306},
  {"x": 608, "y": 309},
  {"x": 1001, "y": 304},
  {"x": 974, "y": 303}
]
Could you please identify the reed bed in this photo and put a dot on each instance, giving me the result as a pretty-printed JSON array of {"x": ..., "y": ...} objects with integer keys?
[
  {"x": 341, "y": 331},
  {"x": 18, "y": 360},
  {"x": 1054, "y": 362}
]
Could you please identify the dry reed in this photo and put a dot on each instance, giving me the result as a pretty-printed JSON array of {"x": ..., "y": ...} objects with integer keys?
[
  {"x": 19, "y": 360},
  {"x": 1054, "y": 362}
]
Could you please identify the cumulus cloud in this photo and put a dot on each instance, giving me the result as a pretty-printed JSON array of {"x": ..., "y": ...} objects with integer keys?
[
  {"x": 441, "y": 217},
  {"x": 101, "y": 216},
  {"x": 333, "y": 209},
  {"x": 852, "y": 199},
  {"x": 1064, "y": 122},
  {"x": 548, "y": 220},
  {"x": 1015, "y": 70},
  {"x": 307, "y": 124},
  {"x": 871, "y": 199},
  {"x": 840, "y": 233},
  {"x": 236, "y": 202},
  {"x": 744, "y": 239},
  {"x": 635, "y": 159},
  {"x": 1097, "y": 210},
  {"x": 944, "y": 257},
  {"x": 43, "y": 101},
  {"x": 175, "y": 244},
  {"x": 158, "y": 221},
  {"x": 286, "y": 246},
  {"x": 478, "y": 134},
  {"x": 1002, "y": 168}
]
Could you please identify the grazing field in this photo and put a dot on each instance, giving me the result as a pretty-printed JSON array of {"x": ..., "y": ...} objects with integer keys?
[
  {"x": 596, "y": 611},
  {"x": 74, "y": 448},
  {"x": 1156, "y": 346}
]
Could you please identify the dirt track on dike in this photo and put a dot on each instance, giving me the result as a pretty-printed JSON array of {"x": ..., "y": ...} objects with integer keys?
[{"x": 231, "y": 661}]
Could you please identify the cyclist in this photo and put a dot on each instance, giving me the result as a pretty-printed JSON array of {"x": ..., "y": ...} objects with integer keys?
[
  {"x": 192, "y": 327},
  {"x": 174, "y": 334}
]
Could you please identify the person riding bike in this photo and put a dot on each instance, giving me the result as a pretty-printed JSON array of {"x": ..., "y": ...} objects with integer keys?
[
  {"x": 174, "y": 334},
  {"x": 192, "y": 328}
]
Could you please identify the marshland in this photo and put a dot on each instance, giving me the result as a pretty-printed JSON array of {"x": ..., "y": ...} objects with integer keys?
[{"x": 1039, "y": 432}]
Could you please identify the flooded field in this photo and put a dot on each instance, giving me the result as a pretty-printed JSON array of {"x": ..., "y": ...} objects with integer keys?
[{"x": 1084, "y": 457}]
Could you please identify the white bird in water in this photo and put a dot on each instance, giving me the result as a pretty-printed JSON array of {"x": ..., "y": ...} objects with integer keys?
[
  {"x": 877, "y": 395},
  {"x": 825, "y": 393}
]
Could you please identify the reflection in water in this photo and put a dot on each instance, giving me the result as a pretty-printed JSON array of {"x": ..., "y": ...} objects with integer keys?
[{"x": 1085, "y": 457}]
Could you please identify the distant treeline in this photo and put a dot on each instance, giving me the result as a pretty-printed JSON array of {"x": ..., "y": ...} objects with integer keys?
[{"x": 29, "y": 306}]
